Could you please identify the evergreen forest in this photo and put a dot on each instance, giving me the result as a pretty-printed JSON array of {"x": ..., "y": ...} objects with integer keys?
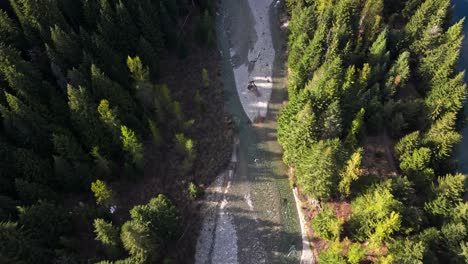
[
  {"x": 374, "y": 113},
  {"x": 105, "y": 106}
]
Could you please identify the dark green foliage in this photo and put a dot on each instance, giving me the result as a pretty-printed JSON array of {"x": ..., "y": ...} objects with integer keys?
[
  {"x": 378, "y": 67},
  {"x": 7, "y": 208},
  {"x": 10, "y": 32},
  {"x": 317, "y": 171},
  {"x": 16, "y": 247},
  {"x": 407, "y": 251},
  {"x": 30, "y": 192},
  {"x": 152, "y": 226},
  {"x": 71, "y": 112},
  {"x": 44, "y": 222},
  {"x": 205, "y": 30}
]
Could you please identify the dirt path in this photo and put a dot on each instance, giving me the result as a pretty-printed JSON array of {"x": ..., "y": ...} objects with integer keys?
[{"x": 253, "y": 218}]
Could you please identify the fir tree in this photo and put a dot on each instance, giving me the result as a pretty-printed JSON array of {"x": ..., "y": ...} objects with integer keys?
[
  {"x": 132, "y": 146},
  {"x": 102, "y": 193},
  {"x": 106, "y": 233}
]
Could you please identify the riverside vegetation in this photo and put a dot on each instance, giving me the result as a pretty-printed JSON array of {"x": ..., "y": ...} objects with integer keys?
[
  {"x": 85, "y": 112},
  {"x": 385, "y": 70}
]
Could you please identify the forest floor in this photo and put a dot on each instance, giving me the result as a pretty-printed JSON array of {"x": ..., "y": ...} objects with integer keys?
[{"x": 250, "y": 213}]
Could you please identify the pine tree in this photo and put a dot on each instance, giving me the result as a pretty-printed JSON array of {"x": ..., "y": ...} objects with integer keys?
[
  {"x": 67, "y": 146},
  {"x": 371, "y": 210},
  {"x": 149, "y": 56},
  {"x": 128, "y": 32},
  {"x": 108, "y": 25},
  {"x": 109, "y": 116},
  {"x": 17, "y": 247},
  {"x": 398, "y": 74},
  {"x": 351, "y": 172},
  {"x": 90, "y": 14},
  {"x": 106, "y": 88},
  {"x": 168, "y": 25},
  {"x": 358, "y": 122},
  {"x": 138, "y": 71},
  {"x": 332, "y": 123},
  {"x": 36, "y": 17},
  {"x": 317, "y": 169},
  {"x": 150, "y": 25},
  {"x": 10, "y": 33},
  {"x": 66, "y": 45},
  {"x": 438, "y": 62},
  {"x": 109, "y": 60},
  {"x": 370, "y": 22},
  {"x": 417, "y": 166},
  {"x": 30, "y": 166},
  {"x": 379, "y": 56},
  {"x": 132, "y": 146},
  {"x": 102, "y": 193},
  {"x": 45, "y": 222},
  {"x": 186, "y": 148},
  {"x": 442, "y": 136},
  {"x": 31, "y": 192},
  {"x": 300, "y": 135},
  {"x": 22, "y": 77},
  {"x": 151, "y": 225},
  {"x": 426, "y": 24},
  {"x": 106, "y": 232},
  {"x": 446, "y": 97}
]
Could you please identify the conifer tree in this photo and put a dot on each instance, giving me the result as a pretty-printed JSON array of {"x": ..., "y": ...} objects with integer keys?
[
  {"x": 106, "y": 232},
  {"x": 352, "y": 137},
  {"x": 132, "y": 146},
  {"x": 102, "y": 193},
  {"x": 352, "y": 171},
  {"x": 17, "y": 247},
  {"x": 128, "y": 32},
  {"x": 398, "y": 74},
  {"x": 332, "y": 123},
  {"x": 21, "y": 76},
  {"x": 105, "y": 88},
  {"x": 85, "y": 119},
  {"x": 150, "y": 25},
  {"x": 168, "y": 25},
  {"x": 66, "y": 45},
  {"x": 149, "y": 56},
  {"x": 10, "y": 33},
  {"x": 110, "y": 118},
  {"x": 442, "y": 136},
  {"x": 319, "y": 178}
]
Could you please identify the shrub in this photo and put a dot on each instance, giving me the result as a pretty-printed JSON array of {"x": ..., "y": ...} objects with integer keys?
[
  {"x": 332, "y": 254},
  {"x": 326, "y": 225},
  {"x": 195, "y": 191},
  {"x": 356, "y": 253}
]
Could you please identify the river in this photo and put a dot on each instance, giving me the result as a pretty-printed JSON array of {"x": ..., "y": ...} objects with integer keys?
[
  {"x": 460, "y": 11},
  {"x": 251, "y": 215}
]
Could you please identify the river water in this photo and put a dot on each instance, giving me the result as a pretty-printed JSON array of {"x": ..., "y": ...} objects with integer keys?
[
  {"x": 460, "y": 11},
  {"x": 255, "y": 219}
]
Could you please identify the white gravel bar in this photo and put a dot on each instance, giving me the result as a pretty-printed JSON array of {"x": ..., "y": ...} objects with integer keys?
[{"x": 258, "y": 68}]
